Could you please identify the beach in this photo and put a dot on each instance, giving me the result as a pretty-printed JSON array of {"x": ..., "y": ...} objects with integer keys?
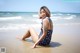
[{"x": 65, "y": 37}]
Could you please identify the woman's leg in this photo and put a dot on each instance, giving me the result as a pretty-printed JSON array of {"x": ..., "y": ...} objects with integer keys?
[
  {"x": 26, "y": 35},
  {"x": 34, "y": 35},
  {"x": 31, "y": 32}
]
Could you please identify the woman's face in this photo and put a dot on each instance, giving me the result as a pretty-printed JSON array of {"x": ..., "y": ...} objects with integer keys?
[{"x": 42, "y": 14}]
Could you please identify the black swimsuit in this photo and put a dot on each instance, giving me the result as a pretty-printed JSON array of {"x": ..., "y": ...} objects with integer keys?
[{"x": 47, "y": 38}]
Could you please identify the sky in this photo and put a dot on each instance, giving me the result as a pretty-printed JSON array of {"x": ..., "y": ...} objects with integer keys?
[{"x": 34, "y": 5}]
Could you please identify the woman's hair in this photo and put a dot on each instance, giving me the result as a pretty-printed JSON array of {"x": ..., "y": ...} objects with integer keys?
[{"x": 46, "y": 10}]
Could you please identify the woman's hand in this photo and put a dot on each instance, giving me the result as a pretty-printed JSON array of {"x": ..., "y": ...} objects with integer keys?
[{"x": 34, "y": 46}]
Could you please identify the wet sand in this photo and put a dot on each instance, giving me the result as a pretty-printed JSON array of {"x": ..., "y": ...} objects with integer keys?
[{"x": 65, "y": 39}]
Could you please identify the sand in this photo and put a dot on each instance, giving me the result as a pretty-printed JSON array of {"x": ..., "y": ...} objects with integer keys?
[{"x": 65, "y": 39}]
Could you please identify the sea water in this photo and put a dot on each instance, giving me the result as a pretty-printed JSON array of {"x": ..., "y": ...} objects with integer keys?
[{"x": 23, "y": 20}]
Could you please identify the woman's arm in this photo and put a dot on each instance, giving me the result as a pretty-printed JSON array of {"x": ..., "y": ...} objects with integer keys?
[{"x": 45, "y": 27}]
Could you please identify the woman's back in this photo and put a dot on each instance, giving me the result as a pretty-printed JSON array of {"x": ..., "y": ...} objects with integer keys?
[{"x": 48, "y": 36}]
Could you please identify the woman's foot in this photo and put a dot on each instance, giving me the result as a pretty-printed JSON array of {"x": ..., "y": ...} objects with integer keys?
[{"x": 20, "y": 38}]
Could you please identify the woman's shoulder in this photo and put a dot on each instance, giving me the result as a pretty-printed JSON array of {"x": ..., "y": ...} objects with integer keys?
[{"x": 45, "y": 20}]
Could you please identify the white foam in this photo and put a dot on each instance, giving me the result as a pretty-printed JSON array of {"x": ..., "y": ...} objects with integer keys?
[
  {"x": 58, "y": 14},
  {"x": 35, "y": 15},
  {"x": 53, "y": 14},
  {"x": 70, "y": 17},
  {"x": 68, "y": 14},
  {"x": 67, "y": 24},
  {"x": 61, "y": 17},
  {"x": 10, "y": 18},
  {"x": 25, "y": 26},
  {"x": 38, "y": 21},
  {"x": 18, "y": 26},
  {"x": 13, "y": 26},
  {"x": 57, "y": 17},
  {"x": 54, "y": 18},
  {"x": 73, "y": 15}
]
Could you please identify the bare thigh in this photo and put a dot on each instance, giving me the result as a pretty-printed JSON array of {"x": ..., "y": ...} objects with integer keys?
[{"x": 34, "y": 35}]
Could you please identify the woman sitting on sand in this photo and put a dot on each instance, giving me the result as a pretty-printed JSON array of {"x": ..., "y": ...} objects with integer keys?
[{"x": 45, "y": 35}]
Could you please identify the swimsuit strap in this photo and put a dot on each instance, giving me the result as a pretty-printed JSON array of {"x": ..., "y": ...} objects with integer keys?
[{"x": 49, "y": 19}]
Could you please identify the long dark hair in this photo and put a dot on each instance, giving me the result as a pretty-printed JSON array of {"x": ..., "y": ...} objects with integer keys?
[{"x": 46, "y": 10}]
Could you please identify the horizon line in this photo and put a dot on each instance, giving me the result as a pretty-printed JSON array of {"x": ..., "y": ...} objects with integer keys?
[{"x": 37, "y": 12}]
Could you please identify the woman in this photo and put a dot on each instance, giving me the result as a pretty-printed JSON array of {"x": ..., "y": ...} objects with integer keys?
[{"x": 44, "y": 37}]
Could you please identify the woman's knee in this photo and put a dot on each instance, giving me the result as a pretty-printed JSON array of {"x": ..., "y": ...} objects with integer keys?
[{"x": 31, "y": 29}]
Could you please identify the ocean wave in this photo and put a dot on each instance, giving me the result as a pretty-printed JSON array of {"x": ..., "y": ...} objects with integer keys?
[
  {"x": 58, "y": 14},
  {"x": 71, "y": 17},
  {"x": 35, "y": 15},
  {"x": 25, "y": 26},
  {"x": 61, "y": 16},
  {"x": 67, "y": 24},
  {"x": 10, "y": 18},
  {"x": 68, "y": 14},
  {"x": 18, "y": 26}
]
